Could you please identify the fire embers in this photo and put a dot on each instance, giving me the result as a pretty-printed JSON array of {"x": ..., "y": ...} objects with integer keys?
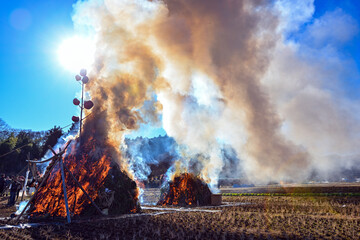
[
  {"x": 186, "y": 190},
  {"x": 98, "y": 174}
]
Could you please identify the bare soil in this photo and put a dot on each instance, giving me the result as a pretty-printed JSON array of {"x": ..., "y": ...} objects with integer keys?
[
  {"x": 255, "y": 217},
  {"x": 6, "y": 211}
]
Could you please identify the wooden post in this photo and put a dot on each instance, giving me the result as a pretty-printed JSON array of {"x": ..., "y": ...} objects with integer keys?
[
  {"x": 64, "y": 187},
  {"x": 61, "y": 152},
  {"x": 81, "y": 110},
  {"x": 25, "y": 183},
  {"x": 26, "y": 178},
  {"x": 81, "y": 119},
  {"x": 32, "y": 169}
]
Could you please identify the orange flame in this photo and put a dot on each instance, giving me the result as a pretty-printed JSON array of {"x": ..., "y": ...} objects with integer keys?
[
  {"x": 182, "y": 191},
  {"x": 89, "y": 171}
]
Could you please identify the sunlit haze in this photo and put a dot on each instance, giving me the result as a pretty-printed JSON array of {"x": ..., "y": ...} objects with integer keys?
[{"x": 76, "y": 52}]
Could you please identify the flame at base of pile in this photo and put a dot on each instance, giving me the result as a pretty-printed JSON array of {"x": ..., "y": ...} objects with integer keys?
[
  {"x": 118, "y": 195},
  {"x": 113, "y": 191},
  {"x": 186, "y": 190}
]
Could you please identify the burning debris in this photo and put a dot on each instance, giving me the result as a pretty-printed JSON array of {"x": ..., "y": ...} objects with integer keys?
[
  {"x": 186, "y": 190},
  {"x": 111, "y": 189}
]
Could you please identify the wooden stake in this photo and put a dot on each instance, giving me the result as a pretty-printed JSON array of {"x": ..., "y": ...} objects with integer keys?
[
  {"x": 61, "y": 152},
  {"x": 81, "y": 119},
  {"x": 25, "y": 183},
  {"x": 64, "y": 187},
  {"x": 26, "y": 178},
  {"x": 81, "y": 110}
]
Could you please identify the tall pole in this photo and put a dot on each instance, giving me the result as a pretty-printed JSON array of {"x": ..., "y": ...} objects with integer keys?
[
  {"x": 81, "y": 119},
  {"x": 82, "y": 104},
  {"x": 26, "y": 178},
  {"x": 65, "y": 193},
  {"x": 81, "y": 109}
]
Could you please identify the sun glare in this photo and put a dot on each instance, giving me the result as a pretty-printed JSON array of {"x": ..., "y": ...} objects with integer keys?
[{"x": 76, "y": 53}]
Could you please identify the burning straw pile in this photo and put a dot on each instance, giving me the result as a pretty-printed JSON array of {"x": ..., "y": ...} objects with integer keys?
[
  {"x": 186, "y": 190},
  {"x": 91, "y": 165}
]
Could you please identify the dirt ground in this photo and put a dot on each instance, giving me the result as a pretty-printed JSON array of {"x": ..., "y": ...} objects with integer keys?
[
  {"x": 241, "y": 217},
  {"x": 6, "y": 211}
]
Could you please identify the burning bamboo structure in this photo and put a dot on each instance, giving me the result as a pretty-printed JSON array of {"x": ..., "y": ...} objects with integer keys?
[
  {"x": 186, "y": 190},
  {"x": 83, "y": 179},
  {"x": 88, "y": 179},
  {"x": 94, "y": 186}
]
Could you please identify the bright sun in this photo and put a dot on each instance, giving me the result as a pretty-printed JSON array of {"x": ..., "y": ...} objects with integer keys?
[{"x": 76, "y": 53}]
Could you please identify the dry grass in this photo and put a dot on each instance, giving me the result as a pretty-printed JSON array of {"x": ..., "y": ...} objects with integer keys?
[{"x": 262, "y": 218}]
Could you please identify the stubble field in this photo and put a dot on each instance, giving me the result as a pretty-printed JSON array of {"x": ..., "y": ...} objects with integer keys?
[{"x": 242, "y": 217}]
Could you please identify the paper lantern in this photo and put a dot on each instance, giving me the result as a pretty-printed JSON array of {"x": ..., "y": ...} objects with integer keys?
[
  {"x": 83, "y": 72},
  {"x": 76, "y": 101},
  {"x": 88, "y": 104},
  {"x": 75, "y": 119},
  {"x": 85, "y": 79}
]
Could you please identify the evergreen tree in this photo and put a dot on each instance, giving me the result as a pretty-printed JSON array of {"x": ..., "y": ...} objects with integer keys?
[
  {"x": 52, "y": 137},
  {"x": 15, "y": 145}
]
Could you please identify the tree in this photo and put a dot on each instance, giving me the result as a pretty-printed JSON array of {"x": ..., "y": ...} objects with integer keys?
[
  {"x": 15, "y": 145},
  {"x": 52, "y": 137},
  {"x": 4, "y": 130},
  {"x": 6, "y": 147}
]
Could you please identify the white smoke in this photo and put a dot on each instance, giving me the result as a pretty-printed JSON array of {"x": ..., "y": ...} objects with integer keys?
[
  {"x": 306, "y": 79},
  {"x": 227, "y": 73}
]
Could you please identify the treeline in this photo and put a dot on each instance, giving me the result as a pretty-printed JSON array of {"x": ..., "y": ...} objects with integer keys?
[{"x": 16, "y": 144}]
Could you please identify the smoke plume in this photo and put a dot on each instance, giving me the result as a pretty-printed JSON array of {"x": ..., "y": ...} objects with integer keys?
[{"x": 223, "y": 74}]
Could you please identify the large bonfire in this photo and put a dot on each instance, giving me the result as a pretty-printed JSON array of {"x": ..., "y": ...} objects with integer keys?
[
  {"x": 93, "y": 165},
  {"x": 186, "y": 190}
]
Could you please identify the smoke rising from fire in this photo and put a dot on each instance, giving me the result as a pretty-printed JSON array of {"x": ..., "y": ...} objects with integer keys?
[
  {"x": 223, "y": 74},
  {"x": 306, "y": 79}
]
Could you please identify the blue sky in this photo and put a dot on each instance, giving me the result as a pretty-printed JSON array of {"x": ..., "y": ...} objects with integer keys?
[
  {"x": 36, "y": 92},
  {"x": 352, "y": 48}
]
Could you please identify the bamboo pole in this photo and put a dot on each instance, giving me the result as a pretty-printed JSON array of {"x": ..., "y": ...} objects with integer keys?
[
  {"x": 65, "y": 193},
  {"x": 56, "y": 157},
  {"x": 26, "y": 180},
  {"x": 40, "y": 161},
  {"x": 81, "y": 119},
  {"x": 36, "y": 191},
  {"x": 61, "y": 152},
  {"x": 81, "y": 110}
]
